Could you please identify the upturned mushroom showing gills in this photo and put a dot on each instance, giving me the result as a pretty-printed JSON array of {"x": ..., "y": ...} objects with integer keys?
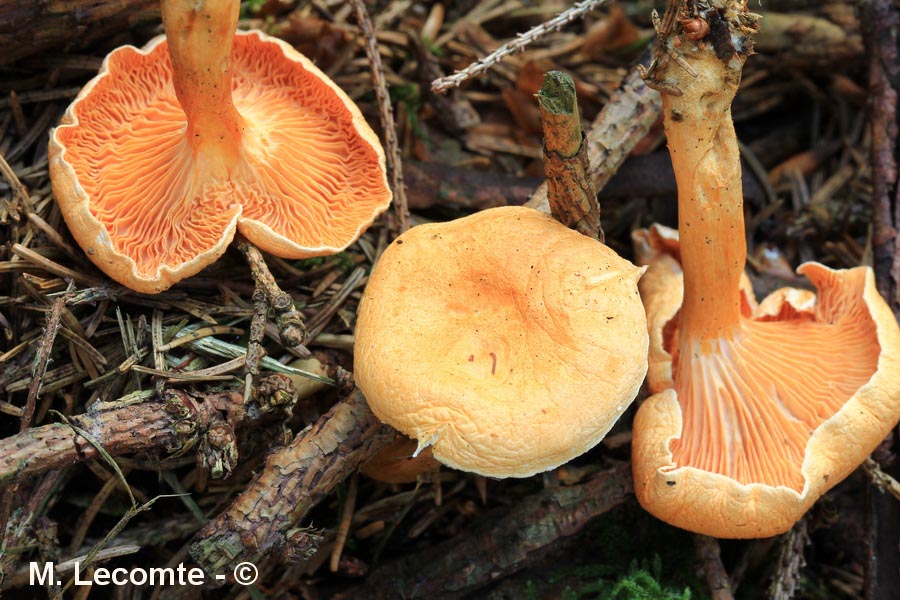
[
  {"x": 507, "y": 342},
  {"x": 173, "y": 147},
  {"x": 758, "y": 409}
]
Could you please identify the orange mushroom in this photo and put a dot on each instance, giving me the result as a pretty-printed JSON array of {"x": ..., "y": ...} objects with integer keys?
[
  {"x": 398, "y": 462},
  {"x": 174, "y": 146},
  {"x": 758, "y": 409},
  {"x": 505, "y": 341}
]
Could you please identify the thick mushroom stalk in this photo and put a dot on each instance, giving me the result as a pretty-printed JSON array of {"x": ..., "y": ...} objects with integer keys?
[
  {"x": 200, "y": 36},
  {"x": 706, "y": 161},
  {"x": 759, "y": 409}
]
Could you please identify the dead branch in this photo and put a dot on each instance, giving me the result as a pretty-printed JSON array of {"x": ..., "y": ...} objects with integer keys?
[
  {"x": 177, "y": 421},
  {"x": 880, "y": 479},
  {"x": 571, "y": 193},
  {"x": 434, "y": 184},
  {"x": 290, "y": 324},
  {"x": 495, "y": 548},
  {"x": 622, "y": 123},
  {"x": 710, "y": 556},
  {"x": 259, "y": 522},
  {"x": 880, "y": 20},
  {"x": 43, "y": 357},
  {"x": 790, "y": 561},
  {"x": 644, "y": 176},
  {"x": 453, "y": 109}
]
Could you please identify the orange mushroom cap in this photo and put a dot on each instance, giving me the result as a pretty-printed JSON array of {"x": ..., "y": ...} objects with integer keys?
[
  {"x": 399, "y": 462},
  {"x": 506, "y": 341},
  {"x": 154, "y": 169},
  {"x": 743, "y": 435}
]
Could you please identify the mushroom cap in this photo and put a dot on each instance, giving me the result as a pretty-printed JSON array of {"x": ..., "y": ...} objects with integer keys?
[
  {"x": 508, "y": 342},
  {"x": 309, "y": 181},
  {"x": 742, "y": 437}
]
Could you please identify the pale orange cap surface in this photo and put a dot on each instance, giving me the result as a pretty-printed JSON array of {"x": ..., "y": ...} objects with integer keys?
[
  {"x": 507, "y": 342},
  {"x": 745, "y": 434},
  {"x": 303, "y": 177}
]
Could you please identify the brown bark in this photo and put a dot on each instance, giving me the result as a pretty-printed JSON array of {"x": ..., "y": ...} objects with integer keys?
[
  {"x": 28, "y": 27},
  {"x": 178, "y": 420},
  {"x": 495, "y": 548},
  {"x": 710, "y": 556},
  {"x": 261, "y": 521},
  {"x": 786, "y": 582},
  {"x": 570, "y": 187},
  {"x": 127, "y": 430},
  {"x": 880, "y": 20}
]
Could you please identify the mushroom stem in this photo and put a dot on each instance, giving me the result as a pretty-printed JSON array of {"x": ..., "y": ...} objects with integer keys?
[
  {"x": 200, "y": 35},
  {"x": 707, "y": 168},
  {"x": 698, "y": 78}
]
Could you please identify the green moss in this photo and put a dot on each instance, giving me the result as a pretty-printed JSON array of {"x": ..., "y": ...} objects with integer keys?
[
  {"x": 308, "y": 263},
  {"x": 249, "y": 8},
  {"x": 624, "y": 567},
  {"x": 625, "y": 554},
  {"x": 641, "y": 582},
  {"x": 344, "y": 261}
]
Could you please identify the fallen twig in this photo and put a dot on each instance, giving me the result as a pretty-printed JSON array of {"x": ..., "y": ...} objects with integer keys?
[
  {"x": 644, "y": 176},
  {"x": 394, "y": 162},
  {"x": 31, "y": 500},
  {"x": 790, "y": 562},
  {"x": 22, "y": 200},
  {"x": 520, "y": 43},
  {"x": 623, "y": 122},
  {"x": 454, "y": 110},
  {"x": 41, "y": 360},
  {"x": 880, "y": 19},
  {"x": 880, "y": 479},
  {"x": 708, "y": 552},
  {"x": 40, "y": 26},
  {"x": 259, "y": 522},
  {"x": 343, "y": 529},
  {"x": 434, "y": 184},
  {"x": 573, "y": 200},
  {"x": 176, "y": 421},
  {"x": 289, "y": 320}
]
